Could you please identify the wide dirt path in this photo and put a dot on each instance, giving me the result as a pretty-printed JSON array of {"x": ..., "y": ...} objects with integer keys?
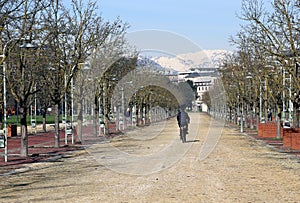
[{"x": 152, "y": 165}]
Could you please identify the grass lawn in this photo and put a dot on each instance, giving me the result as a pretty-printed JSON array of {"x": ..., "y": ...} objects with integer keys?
[{"x": 39, "y": 119}]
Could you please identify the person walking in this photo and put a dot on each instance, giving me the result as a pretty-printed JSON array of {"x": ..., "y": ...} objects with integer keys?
[{"x": 183, "y": 120}]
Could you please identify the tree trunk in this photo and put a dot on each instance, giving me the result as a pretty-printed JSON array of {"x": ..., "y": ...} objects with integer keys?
[
  {"x": 297, "y": 118},
  {"x": 251, "y": 117},
  {"x": 137, "y": 115},
  {"x": 24, "y": 136},
  {"x": 106, "y": 118},
  {"x": 95, "y": 119},
  {"x": 57, "y": 131},
  {"x": 266, "y": 113},
  {"x": 257, "y": 113},
  {"x": 44, "y": 121},
  {"x": 278, "y": 122},
  {"x": 118, "y": 118}
]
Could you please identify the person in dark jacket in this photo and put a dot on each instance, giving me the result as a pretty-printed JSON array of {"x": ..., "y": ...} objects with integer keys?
[{"x": 183, "y": 118}]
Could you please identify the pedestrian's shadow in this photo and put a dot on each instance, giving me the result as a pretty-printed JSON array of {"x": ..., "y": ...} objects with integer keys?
[{"x": 193, "y": 141}]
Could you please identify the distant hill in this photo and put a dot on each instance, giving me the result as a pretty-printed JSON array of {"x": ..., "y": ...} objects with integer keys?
[
  {"x": 151, "y": 64},
  {"x": 185, "y": 62}
]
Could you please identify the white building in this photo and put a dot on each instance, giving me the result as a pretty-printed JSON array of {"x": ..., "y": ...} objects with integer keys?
[{"x": 203, "y": 79}]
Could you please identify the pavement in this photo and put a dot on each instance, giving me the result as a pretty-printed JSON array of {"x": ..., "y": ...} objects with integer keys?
[
  {"x": 272, "y": 143},
  {"x": 41, "y": 146}
]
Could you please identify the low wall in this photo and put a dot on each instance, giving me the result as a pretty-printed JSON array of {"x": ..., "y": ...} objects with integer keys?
[
  {"x": 291, "y": 138},
  {"x": 267, "y": 130}
]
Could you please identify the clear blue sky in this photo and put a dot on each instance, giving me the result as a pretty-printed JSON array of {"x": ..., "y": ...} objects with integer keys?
[{"x": 208, "y": 23}]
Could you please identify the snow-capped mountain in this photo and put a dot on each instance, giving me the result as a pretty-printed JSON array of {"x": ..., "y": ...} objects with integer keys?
[
  {"x": 150, "y": 64},
  {"x": 185, "y": 62}
]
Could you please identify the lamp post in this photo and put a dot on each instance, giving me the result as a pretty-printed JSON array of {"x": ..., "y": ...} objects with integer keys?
[
  {"x": 261, "y": 98},
  {"x": 290, "y": 101},
  {"x": 122, "y": 109},
  {"x": 64, "y": 114},
  {"x": 260, "y": 102},
  {"x": 33, "y": 121},
  {"x": 69, "y": 130},
  {"x": 104, "y": 109},
  {"x": 3, "y": 56},
  {"x": 242, "y": 117},
  {"x": 101, "y": 116},
  {"x": 72, "y": 110},
  {"x": 35, "y": 124},
  {"x": 4, "y": 108},
  {"x": 249, "y": 77},
  {"x": 290, "y": 108}
]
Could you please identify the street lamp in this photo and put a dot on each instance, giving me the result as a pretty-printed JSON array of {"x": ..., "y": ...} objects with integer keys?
[
  {"x": 107, "y": 83},
  {"x": 122, "y": 110},
  {"x": 3, "y": 56},
  {"x": 104, "y": 112},
  {"x": 72, "y": 109},
  {"x": 69, "y": 130},
  {"x": 249, "y": 77},
  {"x": 290, "y": 109},
  {"x": 123, "y": 106},
  {"x": 33, "y": 121}
]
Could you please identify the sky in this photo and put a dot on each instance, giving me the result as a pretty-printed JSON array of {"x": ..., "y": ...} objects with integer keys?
[{"x": 207, "y": 23}]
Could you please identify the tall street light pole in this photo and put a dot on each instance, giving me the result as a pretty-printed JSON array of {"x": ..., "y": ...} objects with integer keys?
[
  {"x": 260, "y": 102},
  {"x": 104, "y": 110},
  {"x": 3, "y": 56},
  {"x": 123, "y": 116},
  {"x": 72, "y": 109},
  {"x": 69, "y": 130},
  {"x": 123, "y": 110},
  {"x": 64, "y": 114},
  {"x": 4, "y": 111},
  {"x": 33, "y": 121}
]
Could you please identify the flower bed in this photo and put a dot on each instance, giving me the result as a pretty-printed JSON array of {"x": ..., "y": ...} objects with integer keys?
[
  {"x": 267, "y": 130},
  {"x": 295, "y": 141},
  {"x": 291, "y": 138}
]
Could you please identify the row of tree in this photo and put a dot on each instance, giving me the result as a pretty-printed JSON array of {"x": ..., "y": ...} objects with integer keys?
[
  {"x": 46, "y": 44},
  {"x": 55, "y": 52},
  {"x": 263, "y": 74},
  {"x": 127, "y": 86}
]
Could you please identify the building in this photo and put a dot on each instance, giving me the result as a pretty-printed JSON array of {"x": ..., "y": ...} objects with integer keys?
[{"x": 203, "y": 79}]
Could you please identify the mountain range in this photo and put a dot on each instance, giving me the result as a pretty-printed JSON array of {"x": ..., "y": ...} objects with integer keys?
[{"x": 190, "y": 61}]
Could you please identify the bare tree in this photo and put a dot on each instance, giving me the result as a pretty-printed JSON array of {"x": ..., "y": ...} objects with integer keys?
[
  {"x": 93, "y": 36},
  {"x": 274, "y": 37},
  {"x": 23, "y": 61}
]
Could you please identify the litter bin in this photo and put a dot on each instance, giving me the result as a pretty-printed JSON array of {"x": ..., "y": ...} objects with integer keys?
[{"x": 12, "y": 130}]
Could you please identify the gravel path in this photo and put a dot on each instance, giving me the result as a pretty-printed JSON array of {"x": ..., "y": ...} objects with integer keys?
[{"x": 151, "y": 165}]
